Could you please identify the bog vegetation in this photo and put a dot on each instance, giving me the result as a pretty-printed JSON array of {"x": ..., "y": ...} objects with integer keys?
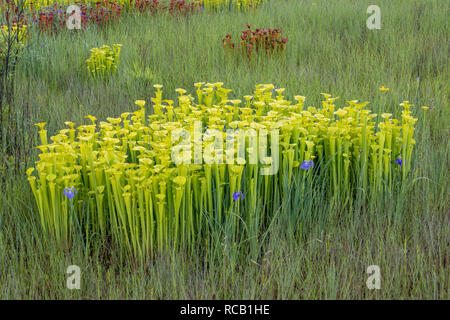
[{"x": 274, "y": 174}]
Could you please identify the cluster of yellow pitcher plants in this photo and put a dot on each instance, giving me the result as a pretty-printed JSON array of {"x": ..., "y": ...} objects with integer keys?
[
  {"x": 104, "y": 60},
  {"x": 118, "y": 178}
]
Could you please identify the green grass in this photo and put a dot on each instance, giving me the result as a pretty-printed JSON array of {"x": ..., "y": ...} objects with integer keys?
[{"x": 330, "y": 50}]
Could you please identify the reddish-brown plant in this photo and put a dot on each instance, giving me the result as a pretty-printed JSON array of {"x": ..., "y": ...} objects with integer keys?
[
  {"x": 268, "y": 41},
  {"x": 181, "y": 7},
  {"x": 53, "y": 19}
]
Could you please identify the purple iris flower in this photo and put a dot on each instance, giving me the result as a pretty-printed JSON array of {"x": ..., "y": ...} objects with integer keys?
[
  {"x": 306, "y": 165},
  {"x": 70, "y": 192},
  {"x": 399, "y": 161},
  {"x": 237, "y": 194}
]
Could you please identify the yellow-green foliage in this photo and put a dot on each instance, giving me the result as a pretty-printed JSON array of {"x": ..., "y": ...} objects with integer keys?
[
  {"x": 135, "y": 194},
  {"x": 17, "y": 37},
  {"x": 104, "y": 61}
]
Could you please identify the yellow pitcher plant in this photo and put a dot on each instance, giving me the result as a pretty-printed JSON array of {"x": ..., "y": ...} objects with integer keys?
[{"x": 104, "y": 60}]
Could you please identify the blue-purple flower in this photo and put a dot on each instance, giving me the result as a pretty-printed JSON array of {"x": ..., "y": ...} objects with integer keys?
[
  {"x": 399, "y": 161},
  {"x": 306, "y": 165},
  {"x": 237, "y": 195},
  {"x": 70, "y": 192}
]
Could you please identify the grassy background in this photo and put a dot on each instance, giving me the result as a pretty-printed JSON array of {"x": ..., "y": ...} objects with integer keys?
[{"x": 330, "y": 50}]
